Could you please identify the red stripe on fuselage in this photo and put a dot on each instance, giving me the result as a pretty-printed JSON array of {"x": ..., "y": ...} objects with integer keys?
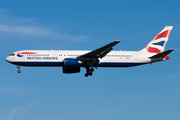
[{"x": 27, "y": 53}]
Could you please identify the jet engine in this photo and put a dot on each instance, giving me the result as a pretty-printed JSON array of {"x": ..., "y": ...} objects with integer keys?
[
  {"x": 72, "y": 62},
  {"x": 71, "y": 69}
]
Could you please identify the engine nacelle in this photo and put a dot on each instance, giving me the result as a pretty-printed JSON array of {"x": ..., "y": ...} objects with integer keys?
[
  {"x": 71, "y": 69},
  {"x": 72, "y": 62}
]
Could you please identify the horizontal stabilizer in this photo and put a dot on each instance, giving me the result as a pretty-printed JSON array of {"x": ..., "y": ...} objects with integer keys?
[{"x": 163, "y": 54}]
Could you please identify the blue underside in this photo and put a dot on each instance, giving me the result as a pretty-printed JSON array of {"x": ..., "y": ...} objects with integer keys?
[
  {"x": 56, "y": 64},
  {"x": 119, "y": 64},
  {"x": 46, "y": 64}
]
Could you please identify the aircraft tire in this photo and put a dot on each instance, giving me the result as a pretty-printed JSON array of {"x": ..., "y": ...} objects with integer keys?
[
  {"x": 92, "y": 69},
  {"x": 90, "y": 73},
  {"x": 19, "y": 71},
  {"x": 86, "y": 75}
]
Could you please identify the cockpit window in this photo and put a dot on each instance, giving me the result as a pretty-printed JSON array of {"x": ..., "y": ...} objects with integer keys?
[{"x": 11, "y": 54}]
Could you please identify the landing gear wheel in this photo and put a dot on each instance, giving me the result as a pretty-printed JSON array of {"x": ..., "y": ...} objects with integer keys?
[
  {"x": 19, "y": 71},
  {"x": 90, "y": 73},
  {"x": 92, "y": 69},
  {"x": 86, "y": 75},
  {"x": 18, "y": 67}
]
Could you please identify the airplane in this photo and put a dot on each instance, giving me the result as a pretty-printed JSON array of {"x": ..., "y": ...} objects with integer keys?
[{"x": 71, "y": 61}]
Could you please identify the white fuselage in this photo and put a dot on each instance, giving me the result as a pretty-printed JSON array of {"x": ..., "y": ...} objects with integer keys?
[{"x": 56, "y": 58}]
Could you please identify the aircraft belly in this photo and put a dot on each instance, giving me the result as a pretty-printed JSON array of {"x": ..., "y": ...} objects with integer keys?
[
  {"x": 122, "y": 62},
  {"x": 118, "y": 64},
  {"x": 38, "y": 63}
]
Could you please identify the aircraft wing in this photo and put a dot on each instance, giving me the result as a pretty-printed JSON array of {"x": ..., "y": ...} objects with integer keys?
[{"x": 98, "y": 53}]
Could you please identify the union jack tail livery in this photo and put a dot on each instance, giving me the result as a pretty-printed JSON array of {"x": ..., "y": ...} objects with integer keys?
[{"x": 158, "y": 44}]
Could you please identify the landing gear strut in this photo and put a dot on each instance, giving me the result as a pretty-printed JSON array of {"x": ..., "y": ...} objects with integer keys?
[
  {"x": 18, "y": 67},
  {"x": 89, "y": 71}
]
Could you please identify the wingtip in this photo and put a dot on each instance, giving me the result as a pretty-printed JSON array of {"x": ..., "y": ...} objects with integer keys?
[
  {"x": 117, "y": 41},
  {"x": 171, "y": 49}
]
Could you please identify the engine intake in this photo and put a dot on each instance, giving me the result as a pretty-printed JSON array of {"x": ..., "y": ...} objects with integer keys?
[{"x": 72, "y": 62}]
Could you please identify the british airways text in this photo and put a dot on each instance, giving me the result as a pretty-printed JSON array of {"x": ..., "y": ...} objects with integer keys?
[{"x": 42, "y": 58}]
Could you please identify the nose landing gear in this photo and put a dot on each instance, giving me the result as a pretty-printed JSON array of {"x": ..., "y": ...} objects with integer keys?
[{"x": 18, "y": 67}]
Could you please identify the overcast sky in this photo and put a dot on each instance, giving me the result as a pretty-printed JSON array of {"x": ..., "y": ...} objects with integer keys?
[{"x": 147, "y": 92}]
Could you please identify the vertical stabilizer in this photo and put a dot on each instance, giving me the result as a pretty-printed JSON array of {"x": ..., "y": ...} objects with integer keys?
[{"x": 158, "y": 44}]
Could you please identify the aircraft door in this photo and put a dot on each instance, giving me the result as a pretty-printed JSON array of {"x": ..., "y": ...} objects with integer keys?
[
  {"x": 54, "y": 54},
  {"x": 136, "y": 56}
]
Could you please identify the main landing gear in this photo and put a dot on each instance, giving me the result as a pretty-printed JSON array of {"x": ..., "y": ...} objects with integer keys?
[
  {"x": 89, "y": 71},
  {"x": 18, "y": 67}
]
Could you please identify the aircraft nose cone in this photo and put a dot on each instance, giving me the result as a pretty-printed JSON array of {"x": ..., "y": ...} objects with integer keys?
[{"x": 8, "y": 59}]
